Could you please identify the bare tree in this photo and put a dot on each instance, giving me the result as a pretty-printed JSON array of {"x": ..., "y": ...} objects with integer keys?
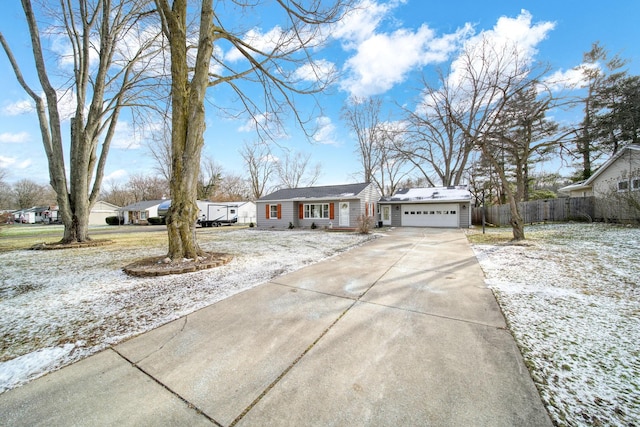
[
  {"x": 147, "y": 187},
  {"x": 6, "y": 198},
  {"x": 210, "y": 178},
  {"x": 94, "y": 31},
  {"x": 263, "y": 64},
  {"x": 232, "y": 188},
  {"x": 295, "y": 171},
  {"x": 28, "y": 194},
  {"x": 363, "y": 118},
  {"x": 491, "y": 75},
  {"x": 435, "y": 144},
  {"x": 260, "y": 166},
  {"x": 377, "y": 144}
]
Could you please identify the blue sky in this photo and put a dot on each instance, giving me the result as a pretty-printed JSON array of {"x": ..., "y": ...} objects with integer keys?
[{"x": 383, "y": 51}]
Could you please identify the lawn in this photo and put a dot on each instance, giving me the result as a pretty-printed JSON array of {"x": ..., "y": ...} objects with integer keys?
[
  {"x": 571, "y": 297},
  {"x": 59, "y": 306}
]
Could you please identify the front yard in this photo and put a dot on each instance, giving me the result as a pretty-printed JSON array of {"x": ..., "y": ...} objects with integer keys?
[
  {"x": 571, "y": 296},
  {"x": 59, "y": 306}
]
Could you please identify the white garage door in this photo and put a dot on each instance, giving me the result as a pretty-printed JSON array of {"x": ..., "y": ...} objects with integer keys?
[{"x": 418, "y": 215}]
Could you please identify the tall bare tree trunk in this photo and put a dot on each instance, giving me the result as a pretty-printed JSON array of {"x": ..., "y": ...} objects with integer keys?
[
  {"x": 90, "y": 27},
  {"x": 188, "y": 123}
]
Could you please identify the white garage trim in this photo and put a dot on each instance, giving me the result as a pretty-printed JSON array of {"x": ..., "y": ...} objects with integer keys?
[{"x": 430, "y": 215}]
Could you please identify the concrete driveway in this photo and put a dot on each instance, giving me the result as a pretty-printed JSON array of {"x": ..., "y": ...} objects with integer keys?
[{"x": 399, "y": 331}]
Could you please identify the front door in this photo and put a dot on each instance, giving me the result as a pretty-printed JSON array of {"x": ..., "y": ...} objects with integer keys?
[
  {"x": 386, "y": 215},
  {"x": 344, "y": 214}
]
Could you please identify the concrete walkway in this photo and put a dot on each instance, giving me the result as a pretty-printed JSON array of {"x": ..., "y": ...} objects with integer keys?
[{"x": 399, "y": 331}]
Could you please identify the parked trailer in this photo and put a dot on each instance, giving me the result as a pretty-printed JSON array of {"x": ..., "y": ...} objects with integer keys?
[{"x": 216, "y": 215}]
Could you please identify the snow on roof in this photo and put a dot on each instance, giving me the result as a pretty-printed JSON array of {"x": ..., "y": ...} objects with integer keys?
[{"x": 458, "y": 192}]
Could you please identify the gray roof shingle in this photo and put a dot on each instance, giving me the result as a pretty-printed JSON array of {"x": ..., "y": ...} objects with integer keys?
[{"x": 326, "y": 192}]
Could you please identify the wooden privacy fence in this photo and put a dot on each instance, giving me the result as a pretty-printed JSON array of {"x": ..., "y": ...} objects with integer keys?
[{"x": 564, "y": 209}]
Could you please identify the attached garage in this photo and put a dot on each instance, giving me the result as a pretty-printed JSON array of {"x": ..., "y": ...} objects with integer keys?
[
  {"x": 430, "y": 215},
  {"x": 445, "y": 207}
]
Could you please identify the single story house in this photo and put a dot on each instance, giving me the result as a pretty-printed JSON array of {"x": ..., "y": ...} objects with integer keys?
[
  {"x": 140, "y": 212},
  {"x": 620, "y": 173},
  {"x": 50, "y": 214},
  {"x": 100, "y": 211},
  {"x": 427, "y": 207},
  {"x": 334, "y": 206},
  {"x": 614, "y": 185}
]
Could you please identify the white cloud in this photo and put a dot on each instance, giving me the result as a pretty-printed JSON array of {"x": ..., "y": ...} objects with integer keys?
[
  {"x": 573, "y": 78},
  {"x": 512, "y": 41},
  {"x": 6, "y": 162},
  {"x": 21, "y": 137},
  {"x": 384, "y": 60},
  {"x": 24, "y": 164},
  {"x": 318, "y": 71},
  {"x": 325, "y": 131},
  {"x": 361, "y": 22},
  {"x": 264, "y": 42},
  {"x": 19, "y": 107},
  {"x": 116, "y": 176}
]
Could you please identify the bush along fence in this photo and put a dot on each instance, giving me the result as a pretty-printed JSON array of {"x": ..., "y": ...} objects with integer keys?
[{"x": 535, "y": 211}]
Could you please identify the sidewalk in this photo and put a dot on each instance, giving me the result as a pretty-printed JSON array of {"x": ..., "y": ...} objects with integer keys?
[{"x": 399, "y": 331}]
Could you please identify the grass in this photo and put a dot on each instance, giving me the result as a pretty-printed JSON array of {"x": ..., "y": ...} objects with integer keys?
[
  {"x": 492, "y": 236},
  {"x": 24, "y": 236}
]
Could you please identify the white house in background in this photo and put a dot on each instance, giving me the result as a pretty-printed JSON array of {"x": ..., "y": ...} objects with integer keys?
[
  {"x": 427, "y": 207},
  {"x": 615, "y": 186},
  {"x": 100, "y": 211},
  {"x": 620, "y": 173},
  {"x": 140, "y": 212}
]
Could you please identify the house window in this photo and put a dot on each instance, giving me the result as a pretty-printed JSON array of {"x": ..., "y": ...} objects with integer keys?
[
  {"x": 635, "y": 184},
  {"x": 143, "y": 215},
  {"x": 273, "y": 211},
  {"x": 623, "y": 185},
  {"x": 320, "y": 210}
]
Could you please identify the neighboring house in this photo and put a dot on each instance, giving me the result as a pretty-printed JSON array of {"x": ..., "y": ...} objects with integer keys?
[
  {"x": 617, "y": 180},
  {"x": 427, "y": 207},
  {"x": 140, "y": 212},
  {"x": 36, "y": 214},
  {"x": 620, "y": 173},
  {"x": 100, "y": 211},
  {"x": 336, "y": 206}
]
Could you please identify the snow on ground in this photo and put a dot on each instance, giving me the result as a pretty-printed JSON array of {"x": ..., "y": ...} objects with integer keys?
[
  {"x": 571, "y": 296},
  {"x": 57, "y": 307}
]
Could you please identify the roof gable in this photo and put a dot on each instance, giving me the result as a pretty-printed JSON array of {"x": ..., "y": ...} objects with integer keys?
[
  {"x": 612, "y": 160},
  {"x": 325, "y": 192},
  {"x": 587, "y": 184}
]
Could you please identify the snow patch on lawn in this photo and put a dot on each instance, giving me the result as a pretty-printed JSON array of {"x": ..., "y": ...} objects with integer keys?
[
  {"x": 571, "y": 296},
  {"x": 57, "y": 307}
]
